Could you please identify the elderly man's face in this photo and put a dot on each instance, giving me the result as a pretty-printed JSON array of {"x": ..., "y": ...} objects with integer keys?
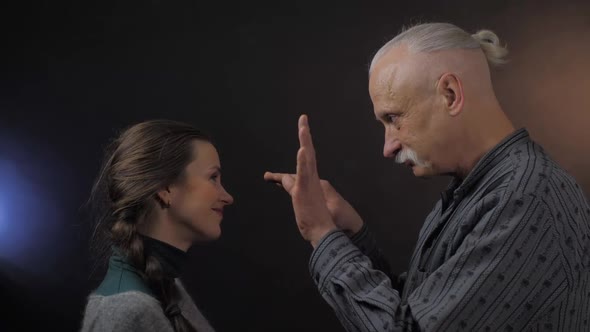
[{"x": 404, "y": 102}]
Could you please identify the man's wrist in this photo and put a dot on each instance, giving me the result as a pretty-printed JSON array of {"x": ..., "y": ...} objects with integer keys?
[
  {"x": 355, "y": 230},
  {"x": 320, "y": 234}
]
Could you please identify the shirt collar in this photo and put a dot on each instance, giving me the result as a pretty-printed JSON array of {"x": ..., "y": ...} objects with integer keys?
[{"x": 490, "y": 160}]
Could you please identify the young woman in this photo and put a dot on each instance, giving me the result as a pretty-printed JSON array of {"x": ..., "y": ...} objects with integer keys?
[{"x": 159, "y": 192}]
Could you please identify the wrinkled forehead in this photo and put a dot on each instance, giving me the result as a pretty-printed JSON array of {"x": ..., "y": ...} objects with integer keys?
[
  {"x": 401, "y": 77},
  {"x": 381, "y": 81},
  {"x": 393, "y": 84}
]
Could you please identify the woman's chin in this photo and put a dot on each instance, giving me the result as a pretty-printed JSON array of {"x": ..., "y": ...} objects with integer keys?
[
  {"x": 206, "y": 230},
  {"x": 213, "y": 234}
]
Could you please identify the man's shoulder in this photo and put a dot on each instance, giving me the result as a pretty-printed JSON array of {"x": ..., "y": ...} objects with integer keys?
[
  {"x": 535, "y": 175},
  {"x": 533, "y": 170}
]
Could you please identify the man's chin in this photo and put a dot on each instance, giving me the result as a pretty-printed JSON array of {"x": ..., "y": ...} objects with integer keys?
[{"x": 422, "y": 172}]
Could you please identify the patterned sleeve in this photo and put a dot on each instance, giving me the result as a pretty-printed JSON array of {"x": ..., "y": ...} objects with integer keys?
[{"x": 364, "y": 240}]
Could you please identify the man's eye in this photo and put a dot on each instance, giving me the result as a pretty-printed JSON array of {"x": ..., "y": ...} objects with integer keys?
[
  {"x": 391, "y": 118},
  {"x": 214, "y": 177}
]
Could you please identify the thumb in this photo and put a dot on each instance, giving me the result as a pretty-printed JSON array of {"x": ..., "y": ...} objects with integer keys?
[{"x": 328, "y": 189}]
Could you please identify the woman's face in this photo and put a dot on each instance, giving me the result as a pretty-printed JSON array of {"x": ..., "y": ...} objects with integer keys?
[{"x": 197, "y": 201}]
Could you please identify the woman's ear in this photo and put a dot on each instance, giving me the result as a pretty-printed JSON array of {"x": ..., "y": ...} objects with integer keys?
[
  {"x": 450, "y": 90},
  {"x": 163, "y": 197}
]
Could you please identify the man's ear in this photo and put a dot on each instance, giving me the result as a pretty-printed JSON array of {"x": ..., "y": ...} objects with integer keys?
[{"x": 450, "y": 90}]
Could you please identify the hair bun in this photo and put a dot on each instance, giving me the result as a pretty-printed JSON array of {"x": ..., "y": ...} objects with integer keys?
[{"x": 490, "y": 44}]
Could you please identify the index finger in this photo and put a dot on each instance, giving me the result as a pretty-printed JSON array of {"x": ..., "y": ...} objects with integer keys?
[{"x": 276, "y": 177}]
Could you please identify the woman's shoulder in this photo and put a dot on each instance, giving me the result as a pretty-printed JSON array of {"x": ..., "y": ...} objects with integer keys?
[
  {"x": 121, "y": 277},
  {"x": 126, "y": 311},
  {"x": 128, "y": 302}
]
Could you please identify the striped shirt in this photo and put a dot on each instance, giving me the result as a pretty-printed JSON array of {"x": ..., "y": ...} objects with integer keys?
[{"x": 507, "y": 249}]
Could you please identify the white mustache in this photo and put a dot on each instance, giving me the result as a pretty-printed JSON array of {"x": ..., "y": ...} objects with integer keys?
[{"x": 408, "y": 154}]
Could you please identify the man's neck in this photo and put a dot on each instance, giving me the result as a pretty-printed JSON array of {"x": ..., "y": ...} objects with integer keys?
[{"x": 480, "y": 140}]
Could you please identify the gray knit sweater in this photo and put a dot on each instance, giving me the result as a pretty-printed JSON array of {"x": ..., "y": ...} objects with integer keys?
[
  {"x": 123, "y": 301},
  {"x": 137, "y": 311}
]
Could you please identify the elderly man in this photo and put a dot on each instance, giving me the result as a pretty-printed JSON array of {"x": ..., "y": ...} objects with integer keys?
[{"x": 506, "y": 248}]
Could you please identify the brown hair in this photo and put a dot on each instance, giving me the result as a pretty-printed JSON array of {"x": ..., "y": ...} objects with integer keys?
[{"x": 144, "y": 159}]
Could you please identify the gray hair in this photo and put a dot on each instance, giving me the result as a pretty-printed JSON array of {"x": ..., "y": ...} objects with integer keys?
[{"x": 431, "y": 37}]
